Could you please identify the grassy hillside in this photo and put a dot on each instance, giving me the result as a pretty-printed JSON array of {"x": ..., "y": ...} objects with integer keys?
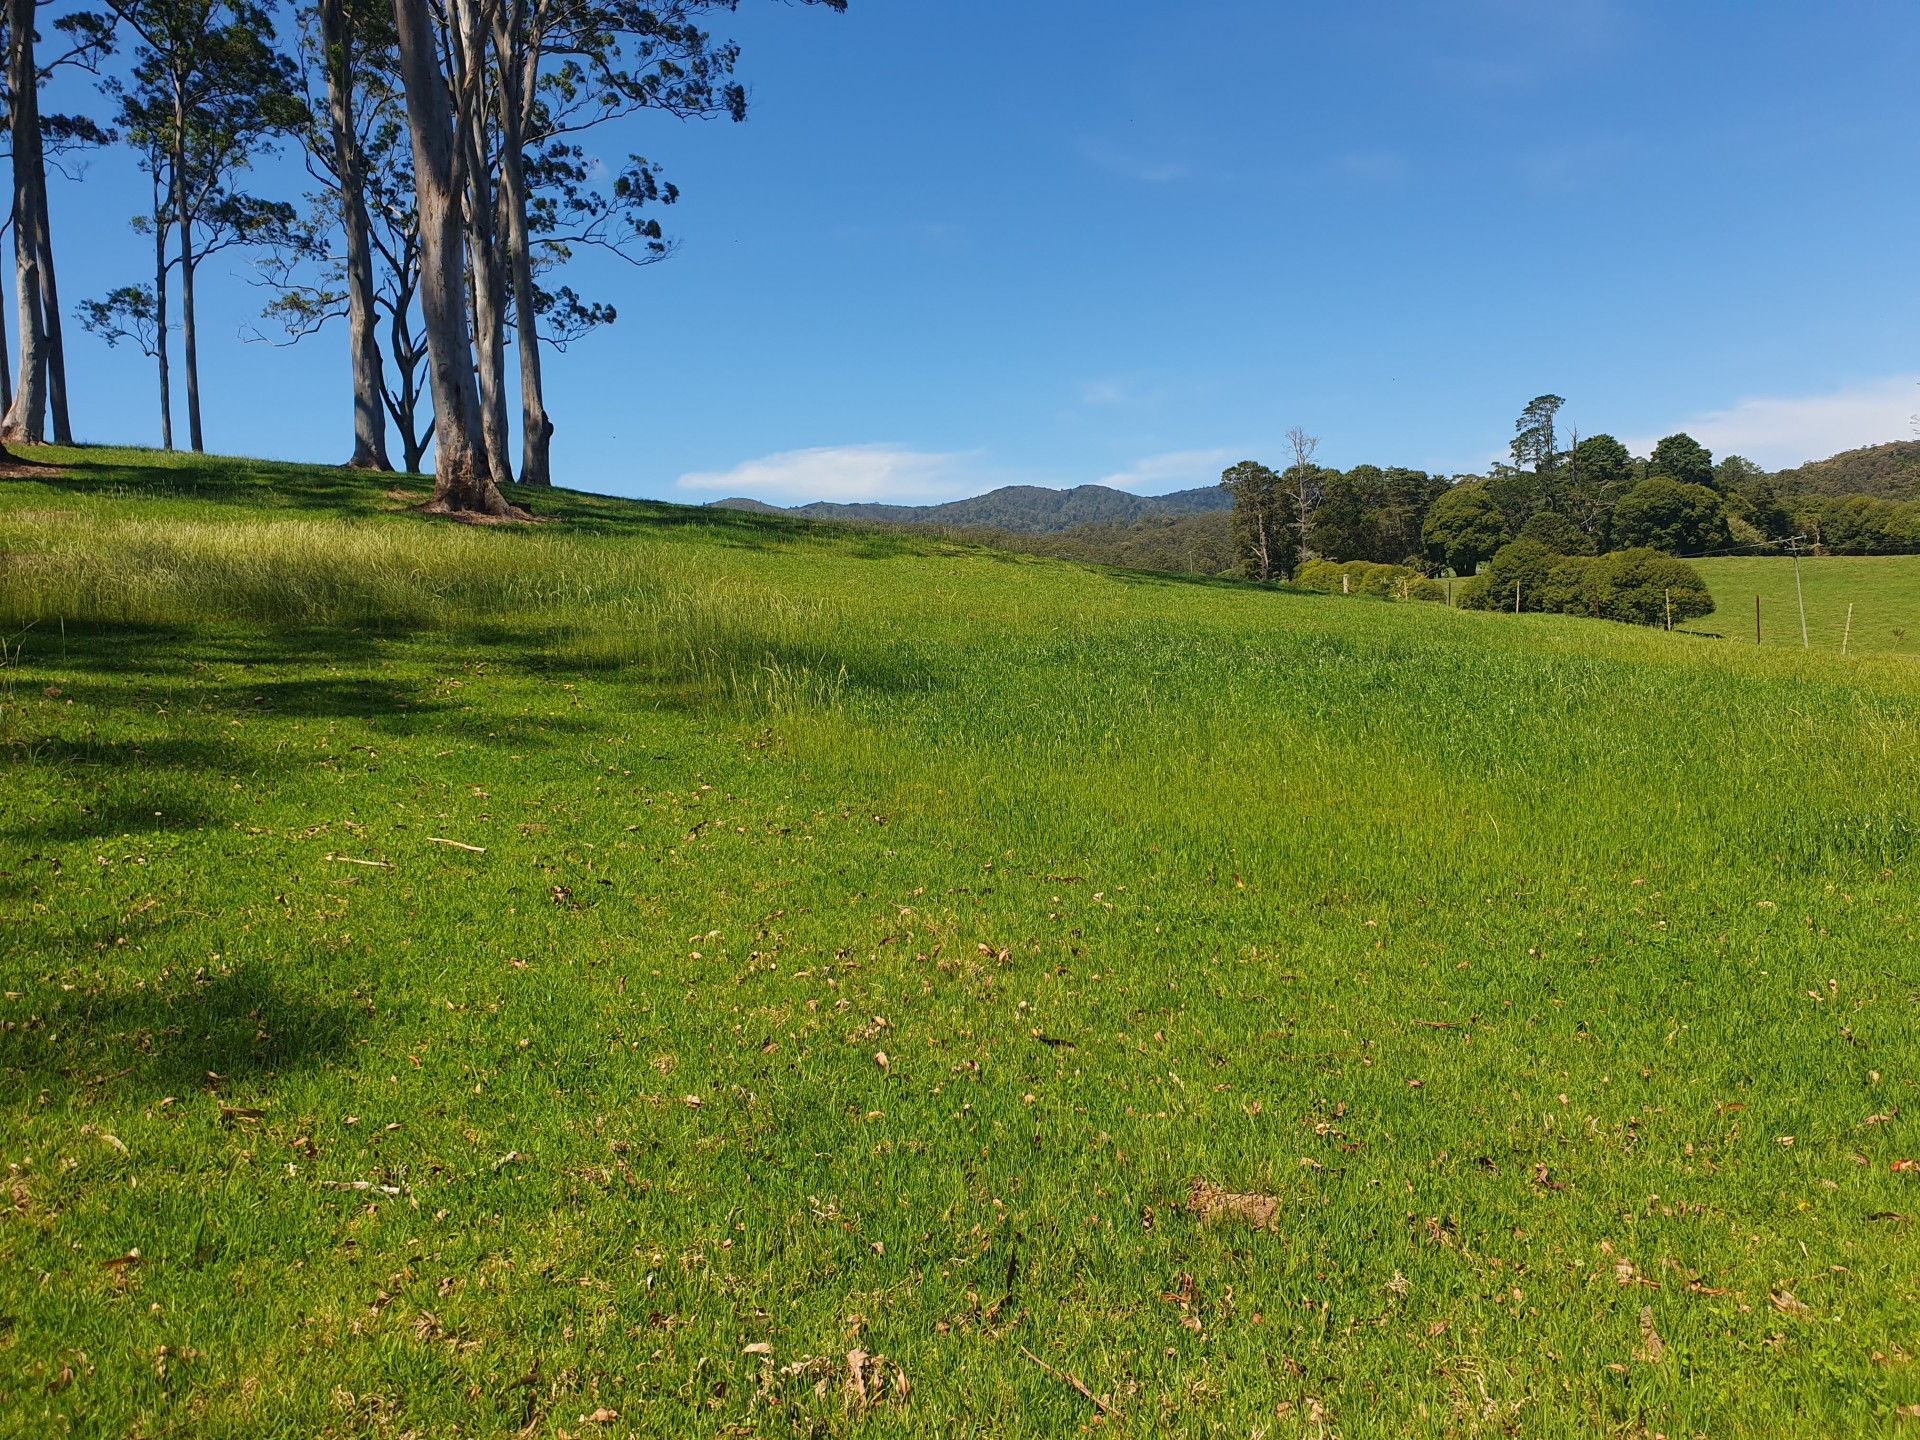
[
  {"x": 653, "y": 964},
  {"x": 1884, "y": 591}
]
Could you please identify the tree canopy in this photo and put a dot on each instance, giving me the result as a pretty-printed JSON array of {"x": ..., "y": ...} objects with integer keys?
[
  {"x": 1682, "y": 458},
  {"x": 1464, "y": 528}
]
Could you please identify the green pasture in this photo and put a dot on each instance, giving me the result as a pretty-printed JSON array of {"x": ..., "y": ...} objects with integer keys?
[
  {"x": 1884, "y": 591},
  {"x": 663, "y": 972}
]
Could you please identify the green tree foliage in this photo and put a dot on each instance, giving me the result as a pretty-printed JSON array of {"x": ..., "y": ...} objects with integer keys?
[
  {"x": 1558, "y": 533},
  {"x": 1534, "y": 445},
  {"x": 1682, "y": 458},
  {"x": 1669, "y": 515},
  {"x": 1344, "y": 525},
  {"x": 1263, "y": 515},
  {"x": 1736, "y": 473},
  {"x": 1597, "y": 473},
  {"x": 1397, "y": 500},
  {"x": 1635, "y": 586},
  {"x": 1518, "y": 493},
  {"x": 1464, "y": 527},
  {"x": 1861, "y": 525},
  {"x": 128, "y": 313},
  {"x": 1516, "y": 579}
]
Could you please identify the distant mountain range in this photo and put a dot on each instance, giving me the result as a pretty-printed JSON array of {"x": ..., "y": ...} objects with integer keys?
[{"x": 1022, "y": 509}]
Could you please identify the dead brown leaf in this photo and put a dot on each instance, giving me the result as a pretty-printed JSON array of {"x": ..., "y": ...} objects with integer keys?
[
  {"x": 870, "y": 1378},
  {"x": 1784, "y": 1302},
  {"x": 1186, "y": 1295}
]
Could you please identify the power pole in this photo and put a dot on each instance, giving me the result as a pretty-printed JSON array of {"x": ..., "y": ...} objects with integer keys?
[{"x": 1799, "y": 594}]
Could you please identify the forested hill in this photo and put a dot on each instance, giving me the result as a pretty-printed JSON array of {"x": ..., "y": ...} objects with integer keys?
[
  {"x": 1021, "y": 509},
  {"x": 1887, "y": 472}
]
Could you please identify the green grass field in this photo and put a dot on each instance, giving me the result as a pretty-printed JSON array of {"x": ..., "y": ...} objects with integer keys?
[
  {"x": 473, "y": 981},
  {"x": 1884, "y": 591}
]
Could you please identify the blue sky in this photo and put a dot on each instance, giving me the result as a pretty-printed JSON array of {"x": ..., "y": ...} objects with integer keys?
[{"x": 959, "y": 245}]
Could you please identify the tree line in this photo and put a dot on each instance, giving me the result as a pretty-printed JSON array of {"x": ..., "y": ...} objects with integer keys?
[
  {"x": 460, "y": 153},
  {"x": 1561, "y": 495}
]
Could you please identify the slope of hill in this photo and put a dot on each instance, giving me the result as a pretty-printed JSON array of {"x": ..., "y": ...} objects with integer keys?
[
  {"x": 1199, "y": 544},
  {"x": 673, "y": 971},
  {"x": 1888, "y": 472},
  {"x": 1020, "y": 509}
]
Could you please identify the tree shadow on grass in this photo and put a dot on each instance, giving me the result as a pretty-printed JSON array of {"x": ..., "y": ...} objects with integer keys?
[
  {"x": 336, "y": 491},
  {"x": 159, "y": 753},
  {"x": 160, "y": 807},
  {"x": 157, "y": 1041},
  {"x": 123, "y": 649},
  {"x": 383, "y": 676}
]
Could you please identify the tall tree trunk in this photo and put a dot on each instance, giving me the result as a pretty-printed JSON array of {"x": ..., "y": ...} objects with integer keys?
[
  {"x": 50, "y": 315},
  {"x": 189, "y": 335},
  {"x": 483, "y": 239},
  {"x": 6, "y": 363},
  {"x": 369, "y": 419},
  {"x": 462, "y": 481},
  {"x": 536, "y": 435},
  {"x": 515, "y": 57},
  {"x": 402, "y": 396},
  {"x": 490, "y": 342},
  {"x": 469, "y": 55},
  {"x": 26, "y": 417},
  {"x": 160, "y": 343}
]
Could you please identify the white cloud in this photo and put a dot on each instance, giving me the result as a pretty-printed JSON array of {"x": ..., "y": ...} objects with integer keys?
[
  {"x": 1179, "y": 470},
  {"x": 886, "y": 473},
  {"x": 1779, "y": 432}
]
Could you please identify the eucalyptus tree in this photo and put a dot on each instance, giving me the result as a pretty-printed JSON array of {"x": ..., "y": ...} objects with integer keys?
[
  {"x": 207, "y": 91},
  {"x": 561, "y": 68},
  {"x": 349, "y": 31},
  {"x": 26, "y": 416},
  {"x": 463, "y": 478},
  {"x": 354, "y": 143},
  {"x": 30, "y": 134},
  {"x": 498, "y": 94}
]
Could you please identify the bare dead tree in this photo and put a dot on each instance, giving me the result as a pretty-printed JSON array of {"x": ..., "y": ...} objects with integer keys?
[{"x": 1304, "y": 481}]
